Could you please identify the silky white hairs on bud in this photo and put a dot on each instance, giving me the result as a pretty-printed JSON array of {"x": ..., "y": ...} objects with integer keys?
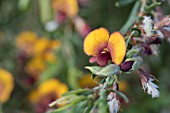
[{"x": 147, "y": 26}]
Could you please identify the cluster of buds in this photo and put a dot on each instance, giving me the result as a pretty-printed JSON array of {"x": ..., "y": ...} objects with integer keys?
[
  {"x": 113, "y": 100},
  {"x": 147, "y": 83}
]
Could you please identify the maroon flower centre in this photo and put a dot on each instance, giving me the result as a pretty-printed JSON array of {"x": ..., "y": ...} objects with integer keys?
[{"x": 102, "y": 58}]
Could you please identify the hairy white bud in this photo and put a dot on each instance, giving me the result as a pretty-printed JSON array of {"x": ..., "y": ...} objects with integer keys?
[
  {"x": 151, "y": 88},
  {"x": 147, "y": 26}
]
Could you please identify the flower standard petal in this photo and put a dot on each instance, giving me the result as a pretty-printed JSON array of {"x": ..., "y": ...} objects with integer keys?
[
  {"x": 117, "y": 47},
  {"x": 96, "y": 41}
]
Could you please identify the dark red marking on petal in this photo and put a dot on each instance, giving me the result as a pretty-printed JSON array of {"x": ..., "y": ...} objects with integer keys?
[{"x": 103, "y": 58}]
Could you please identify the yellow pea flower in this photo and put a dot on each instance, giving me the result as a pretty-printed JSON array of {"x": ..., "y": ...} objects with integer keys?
[
  {"x": 41, "y": 46},
  {"x": 35, "y": 66},
  {"x": 6, "y": 85},
  {"x": 25, "y": 41},
  {"x": 103, "y": 47},
  {"x": 44, "y": 48},
  {"x": 69, "y": 7},
  {"x": 50, "y": 57},
  {"x": 47, "y": 87}
]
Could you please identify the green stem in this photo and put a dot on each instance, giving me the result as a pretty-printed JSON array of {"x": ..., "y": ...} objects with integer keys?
[
  {"x": 105, "y": 84},
  {"x": 129, "y": 38},
  {"x": 132, "y": 18},
  {"x": 142, "y": 9},
  {"x": 45, "y": 10},
  {"x": 115, "y": 78},
  {"x": 23, "y": 4}
]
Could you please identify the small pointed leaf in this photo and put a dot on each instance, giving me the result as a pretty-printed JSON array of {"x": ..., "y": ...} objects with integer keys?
[
  {"x": 108, "y": 70},
  {"x": 77, "y": 92}
]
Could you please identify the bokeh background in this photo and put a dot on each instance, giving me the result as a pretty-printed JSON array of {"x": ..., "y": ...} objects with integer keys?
[{"x": 41, "y": 54}]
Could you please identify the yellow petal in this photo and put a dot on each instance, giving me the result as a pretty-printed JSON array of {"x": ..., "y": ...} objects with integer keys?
[
  {"x": 41, "y": 45},
  {"x": 117, "y": 47},
  {"x": 25, "y": 41},
  {"x": 70, "y": 7},
  {"x": 96, "y": 41},
  {"x": 35, "y": 66},
  {"x": 6, "y": 85},
  {"x": 52, "y": 85}
]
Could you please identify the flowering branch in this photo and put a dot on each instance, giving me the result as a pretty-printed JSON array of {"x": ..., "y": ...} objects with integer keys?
[{"x": 115, "y": 55}]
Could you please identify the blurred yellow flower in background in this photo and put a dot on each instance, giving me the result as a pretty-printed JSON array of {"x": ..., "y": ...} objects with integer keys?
[
  {"x": 25, "y": 41},
  {"x": 54, "y": 44},
  {"x": 44, "y": 46},
  {"x": 41, "y": 45},
  {"x": 6, "y": 85},
  {"x": 50, "y": 57},
  {"x": 40, "y": 51},
  {"x": 69, "y": 7},
  {"x": 123, "y": 86},
  {"x": 51, "y": 86},
  {"x": 31, "y": 44},
  {"x": 35, "y": 66},
  {"x": 86, "y": 81}
]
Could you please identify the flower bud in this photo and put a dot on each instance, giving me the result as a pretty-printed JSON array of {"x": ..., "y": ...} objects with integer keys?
[
  {"x": 126, "y": 66},
  {"x": 147, "y": 83}
]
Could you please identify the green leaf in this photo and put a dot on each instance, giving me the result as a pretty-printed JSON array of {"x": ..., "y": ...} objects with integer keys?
[
  {"x": 73, "y": 76},
  {"x": 131, "y": 53},
  {"x": 103, "y": 106},
  {"x": 137, "y": 62},
  {"x": 149, "y": 8},
  {"x": 65, "y": 107},
  {"x": 120, "y": 3},
  {"x": 79, "y": 108},
  {"x": 45, "y": 10},
  {"x": 74, "y": 102},
  {"x": 63, "y": 100},
  {"x": 89, "y": 107},
  {"x": 50, "y": 72},
  {"x": 78, "y": 92},
  {"x": 110, "y": 80},
  {"x": 94, "y": 69},
  {"x": 103, "y": 81},
  {"x": 23, "y": 4},
  {"x": 108, "y": 70}
]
